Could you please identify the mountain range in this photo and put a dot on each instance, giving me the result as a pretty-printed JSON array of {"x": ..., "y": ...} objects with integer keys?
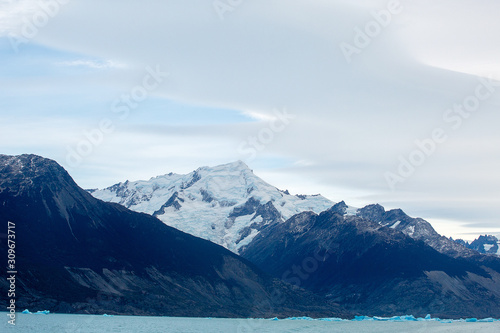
[
  {"x": 78, "y": 254},
  {"x": 366, "y": 259},
  {"x": 229, "y": 205},
  {"x": 289, "y": 254},
  {"x": 487, "y": 244},
  {"x": 370, "y": 267}
]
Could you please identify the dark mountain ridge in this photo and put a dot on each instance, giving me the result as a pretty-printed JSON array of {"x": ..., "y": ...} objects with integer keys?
[
  {"x": 370, "y": 267},
  {"x": 78, "y": 254},
  {"x": 487, "y": 244}
]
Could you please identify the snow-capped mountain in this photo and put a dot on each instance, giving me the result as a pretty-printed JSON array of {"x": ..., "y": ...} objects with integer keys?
[
  {"x": 416, "y": 228},
  {"x": 487, "y": 244},
  {"x": 365, "y": 264},
  {"x": 77, "y": 254},
  {"x": 227, "y": 204}
]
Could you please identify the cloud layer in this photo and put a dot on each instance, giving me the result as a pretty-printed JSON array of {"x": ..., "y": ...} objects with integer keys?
[{"x": 356, "y": 118}]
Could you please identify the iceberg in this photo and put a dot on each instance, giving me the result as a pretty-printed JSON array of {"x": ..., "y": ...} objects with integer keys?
[
  {"x": 299, "y": 318},
  {"x": 487, "y": 320},
  {"x": 45, "y": 312},
  {"x": 26, "y": 311},
  {"x": 427, "y": 318},
  {"x": 362, "y": 318}
]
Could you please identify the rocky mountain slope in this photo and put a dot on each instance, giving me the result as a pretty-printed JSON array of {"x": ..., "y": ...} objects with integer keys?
[
  {"x": 75, "y": 253},
  {"x": 416, "y": 228},
  {"x": 227, "y": 204},
  {"x": 487, "y": 244},
  {"x": 367, "y": 264}
]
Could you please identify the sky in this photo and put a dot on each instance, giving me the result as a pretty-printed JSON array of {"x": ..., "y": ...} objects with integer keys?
[{"x": 390, "y": 102}]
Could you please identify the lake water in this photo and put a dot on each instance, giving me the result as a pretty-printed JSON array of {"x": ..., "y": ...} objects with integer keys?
[{"x": 55, "y": 323}]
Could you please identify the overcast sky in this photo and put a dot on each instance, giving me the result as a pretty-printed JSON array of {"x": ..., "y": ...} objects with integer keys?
[{"x": 390, "y": 102}]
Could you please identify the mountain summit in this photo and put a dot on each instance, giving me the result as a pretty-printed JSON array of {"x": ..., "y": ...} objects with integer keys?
[
  {"x": 226, "y": 204},
  {"x": 75, "y": 253},
  {"x": 229, "y": 205},
  {"x": 369, "y": 266}
]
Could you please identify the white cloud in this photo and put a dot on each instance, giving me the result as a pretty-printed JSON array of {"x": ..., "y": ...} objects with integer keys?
[
  {"x": 13, "y": 15},
  {"x": 353, "y": 119},
  {"x": 93, "y": 64}
]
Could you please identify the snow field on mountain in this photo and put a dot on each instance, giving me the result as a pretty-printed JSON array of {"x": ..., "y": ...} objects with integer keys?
[{"x": 206, "y": 198}]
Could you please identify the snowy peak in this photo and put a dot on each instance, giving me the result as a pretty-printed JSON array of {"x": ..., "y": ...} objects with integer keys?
[
  {"x": 487, "y": 244},
  {"x": 355, "y": 260},
  {"x": 416, "y": 228},
  {"x": 229, "y": 205},
  {"x": 237, "y": 166},
  {"x": 398, "y": 220},
  {"x": 226, "y": 204},
  {"x": 105, "y": 258}
]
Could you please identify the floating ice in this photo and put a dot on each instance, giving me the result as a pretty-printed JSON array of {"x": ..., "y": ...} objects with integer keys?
[
  {"x": 487, "y": 320},
  {"x": 405, "y": 318},
  {"x": 46, "y": 312},
  {"x": 299, "y": 318}
]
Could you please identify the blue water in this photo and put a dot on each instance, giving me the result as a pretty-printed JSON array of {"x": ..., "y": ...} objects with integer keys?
[{"x": 97, "y": 324}]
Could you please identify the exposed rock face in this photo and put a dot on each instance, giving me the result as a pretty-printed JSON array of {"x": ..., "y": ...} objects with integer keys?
[
  {"x": 78, "y": 254},
  {"x": 487, "y": 244},
  {"x": 367, "y": 265},
  {"x": 226, "y": 204},
  {"x": 229, "y": 205},
  {"x": 416, "y": 228}
]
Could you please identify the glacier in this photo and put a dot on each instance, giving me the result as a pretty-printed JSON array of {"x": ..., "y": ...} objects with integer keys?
[
  {"x": 229, "y": 205},
  {"x": 226, "y": 204}
]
